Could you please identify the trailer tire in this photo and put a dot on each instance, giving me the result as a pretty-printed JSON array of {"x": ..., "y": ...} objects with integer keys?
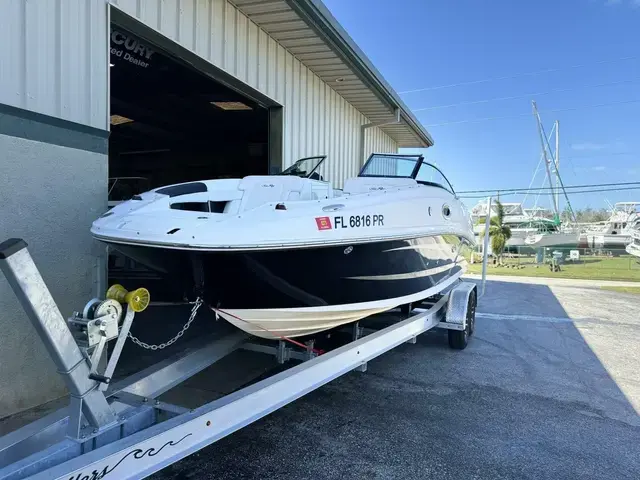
[
  {"x": 459, "y": 339},
  {"x": 471, "y": 312}
]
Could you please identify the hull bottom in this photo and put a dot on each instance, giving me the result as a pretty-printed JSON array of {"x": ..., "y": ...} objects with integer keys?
[{"x": 274, "y": 324}]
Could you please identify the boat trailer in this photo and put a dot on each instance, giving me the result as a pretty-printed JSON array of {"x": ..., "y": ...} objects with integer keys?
[{"x": 122, "y": 430}]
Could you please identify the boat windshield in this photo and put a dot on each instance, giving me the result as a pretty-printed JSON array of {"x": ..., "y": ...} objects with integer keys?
[
  {"x": 123, "y": 188},
  {"x": 405, "y": 166},
  {"x": 305, "y": 167}
]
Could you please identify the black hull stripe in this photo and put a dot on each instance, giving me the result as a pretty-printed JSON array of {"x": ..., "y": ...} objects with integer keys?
[
  {"x": 410, "y": 275},
  {"x": 310, "y": 277}
]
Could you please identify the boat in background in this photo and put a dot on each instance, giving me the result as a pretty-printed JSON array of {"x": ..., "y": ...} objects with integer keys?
[
  {"x": 633, "y": 247},
  {"x": 514, "y": 217},
  {"x": 528, "y": 233},
  {"x": 535, "y": 228},
  {"x": 615, "y": 233},
  {"x": 539, "y": 212},
  {"x": 287, "y": 255},
  {"x": 550, "y": 236}
]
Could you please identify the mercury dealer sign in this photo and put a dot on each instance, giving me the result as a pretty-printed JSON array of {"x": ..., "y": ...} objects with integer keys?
[{"x": 130, "y": 49}]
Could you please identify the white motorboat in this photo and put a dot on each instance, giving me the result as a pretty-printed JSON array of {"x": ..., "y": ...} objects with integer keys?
[
  {"x": 514, "y": 217},
  {"x": 614, "y": 234},
  {"x": 633, "y": 247},
  {"x": 287, "y": 255},
  {"x": 514, "y": 214}
]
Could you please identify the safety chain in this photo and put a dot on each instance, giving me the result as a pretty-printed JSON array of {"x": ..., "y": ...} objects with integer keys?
[{"x": 185, "y": 327}]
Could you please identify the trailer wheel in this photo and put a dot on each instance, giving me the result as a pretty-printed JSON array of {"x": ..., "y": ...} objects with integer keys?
[
  {"x": 458, "y": 339},
  {"x": 471, "y": 312}
]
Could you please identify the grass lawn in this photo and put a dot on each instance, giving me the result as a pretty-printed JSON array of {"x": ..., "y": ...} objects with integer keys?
[
  {"x": 623, "y": 268},
  {"x": 635, "y": 290}
]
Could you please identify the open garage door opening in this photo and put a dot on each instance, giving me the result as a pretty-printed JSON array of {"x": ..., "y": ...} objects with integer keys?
[{"x": 171, "y": 123}]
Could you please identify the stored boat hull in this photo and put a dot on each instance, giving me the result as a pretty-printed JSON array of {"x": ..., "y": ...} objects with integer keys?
[
  {"x": 634, "y": 245},
  {"x": 608, "y": 241},
  {"x": 553, "y": 240}
]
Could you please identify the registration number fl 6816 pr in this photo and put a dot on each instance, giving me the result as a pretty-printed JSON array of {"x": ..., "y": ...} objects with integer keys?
[{"x": 358, "y": 221}]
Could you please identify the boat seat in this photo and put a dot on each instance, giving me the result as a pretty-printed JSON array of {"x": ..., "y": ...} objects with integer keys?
[
  {"x": 371, "y": 184},
  {"x": 260, "y": 189}
]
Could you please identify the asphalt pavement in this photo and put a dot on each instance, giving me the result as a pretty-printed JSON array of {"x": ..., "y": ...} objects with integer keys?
[{"x": 548, "y": 388}]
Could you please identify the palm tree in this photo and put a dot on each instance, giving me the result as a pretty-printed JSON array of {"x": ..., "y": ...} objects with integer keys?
[{"x": 499, "y": 234}]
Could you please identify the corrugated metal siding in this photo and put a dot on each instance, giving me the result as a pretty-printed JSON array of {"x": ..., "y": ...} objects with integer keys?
[
  {"x": 317, "y": 119},
  {"x": 53, "y": 58}
]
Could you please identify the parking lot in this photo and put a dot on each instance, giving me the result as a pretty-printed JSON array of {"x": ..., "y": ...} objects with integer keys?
[{"x": 548, "y": 388}]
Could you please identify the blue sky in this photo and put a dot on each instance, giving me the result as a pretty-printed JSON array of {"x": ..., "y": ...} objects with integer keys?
[{"x": 428, "y": 43}]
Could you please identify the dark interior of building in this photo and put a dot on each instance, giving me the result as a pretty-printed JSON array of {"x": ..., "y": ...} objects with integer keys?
[{"x": 170, "y": 124}]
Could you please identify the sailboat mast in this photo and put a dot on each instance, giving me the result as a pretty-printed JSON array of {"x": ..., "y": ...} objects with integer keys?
[
  {"x": 557, "y": 159},
  {"x": 546, "y": 161},
  {"x": 559, "y": 180}
]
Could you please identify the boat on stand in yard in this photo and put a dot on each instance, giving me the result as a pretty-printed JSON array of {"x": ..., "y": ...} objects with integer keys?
[
  {"x": 559, "y": 238},
  {"x": 552, "y": 233},
  {"x": 531, "y": 228},
  {"x": 633, "y": 247},
  {"x": 615, "y": 233},
  {"x": 514, "y": 217}
]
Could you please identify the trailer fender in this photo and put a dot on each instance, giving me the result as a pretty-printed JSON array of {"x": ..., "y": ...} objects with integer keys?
[{"x": 458, "y": 303}]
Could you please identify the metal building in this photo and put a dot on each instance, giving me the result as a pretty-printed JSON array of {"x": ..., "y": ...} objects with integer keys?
[{"x": 171, "y": 90}]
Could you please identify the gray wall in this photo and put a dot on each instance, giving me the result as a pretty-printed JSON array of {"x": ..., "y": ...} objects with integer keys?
[{"x": 49, "y": 195}]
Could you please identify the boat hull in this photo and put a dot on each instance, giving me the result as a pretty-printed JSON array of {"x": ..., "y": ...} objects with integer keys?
[
  {"x": 292, "y": 292},
  {"x": 608, "y": 241},
  {"x": 633, "y": 247},
  {"x": 553, "y": 240},
  {"x": 294, "y": 322}
]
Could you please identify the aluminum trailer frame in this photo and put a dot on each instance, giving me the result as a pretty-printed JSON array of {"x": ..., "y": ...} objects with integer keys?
[{"x": 147, "y": 434}]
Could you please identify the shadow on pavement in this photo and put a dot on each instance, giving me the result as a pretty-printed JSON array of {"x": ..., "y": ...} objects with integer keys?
[{"x": 528, "y": 399}]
